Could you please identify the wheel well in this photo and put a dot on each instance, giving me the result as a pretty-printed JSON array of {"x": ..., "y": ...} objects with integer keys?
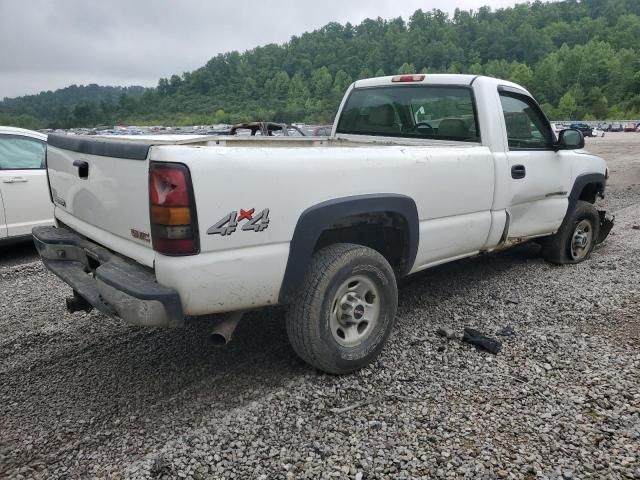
[
  {"x": 385, "y": 232},
  {"x": 387, "y": 222},
  {"x": 590, "y": 192}
]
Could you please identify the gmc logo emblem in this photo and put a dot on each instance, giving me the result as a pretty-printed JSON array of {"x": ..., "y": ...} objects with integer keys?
[{"x": 144, "y": 236}]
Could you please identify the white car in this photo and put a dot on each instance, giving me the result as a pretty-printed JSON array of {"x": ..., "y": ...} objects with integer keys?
[
  {"x": 597, "y": 132},
  {"x": 24, "y": 195},
  {"x": 419, "y": 170}
]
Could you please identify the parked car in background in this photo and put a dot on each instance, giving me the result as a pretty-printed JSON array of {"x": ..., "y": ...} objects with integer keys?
[
  {"x": 585, "y": 128},
  {"x": 322, "y": 131},
  {"x": 317, "y": 130},
  {"x": 24, "y": 194},
  {"x": 629, "y": 127},
  {"x": 597, "y": 132},
  {"x": 266, "y": 129},
  {"x": 615, "y": 127}
]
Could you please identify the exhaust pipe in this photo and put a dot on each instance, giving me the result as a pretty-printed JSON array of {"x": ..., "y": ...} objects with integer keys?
[{"x": 222, "y": 333}]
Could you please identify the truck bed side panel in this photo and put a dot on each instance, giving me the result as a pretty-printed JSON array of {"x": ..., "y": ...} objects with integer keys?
[{"x": 451, "y": 185}]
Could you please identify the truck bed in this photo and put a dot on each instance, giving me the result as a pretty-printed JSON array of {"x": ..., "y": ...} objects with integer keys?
[{"x": 260, "y": 141}]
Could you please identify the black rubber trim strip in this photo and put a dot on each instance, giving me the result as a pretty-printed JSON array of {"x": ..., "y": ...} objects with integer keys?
[
  {"x": 517, "y": 91},
  {"x": 581, "y": 182},
  {"x": 317, "y": 218},
  {"x": 103, "y": 148}
]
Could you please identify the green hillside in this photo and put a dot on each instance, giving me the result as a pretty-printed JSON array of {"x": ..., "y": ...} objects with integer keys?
[
  {"x": 69, "y": 104},
  {"x": 581, "y": 59}
]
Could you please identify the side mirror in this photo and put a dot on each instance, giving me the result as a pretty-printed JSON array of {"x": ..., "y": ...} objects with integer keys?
[{"x": 570, "y": 139}]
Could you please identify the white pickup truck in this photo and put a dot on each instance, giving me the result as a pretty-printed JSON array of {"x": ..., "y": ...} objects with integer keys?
[{"x": 419, "y": 170}]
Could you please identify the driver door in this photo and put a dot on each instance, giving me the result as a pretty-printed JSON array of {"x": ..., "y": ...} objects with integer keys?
[{"x": 539, "y": 176}]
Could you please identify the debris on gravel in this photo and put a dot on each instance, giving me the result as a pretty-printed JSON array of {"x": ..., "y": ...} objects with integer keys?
[
  {"x": 506, "y": 331},
  {"x": 482, "y": 342},
  {"x": 446, "y": 333}
]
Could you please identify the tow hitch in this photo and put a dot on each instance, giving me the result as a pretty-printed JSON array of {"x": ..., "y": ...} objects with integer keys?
[{"x": 606, "y": 224}]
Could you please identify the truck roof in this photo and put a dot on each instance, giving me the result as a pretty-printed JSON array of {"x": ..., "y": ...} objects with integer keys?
[{"x": 432, "y": 79}]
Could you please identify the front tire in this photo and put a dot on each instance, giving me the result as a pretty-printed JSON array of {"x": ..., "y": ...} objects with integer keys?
[
  {"x": 576, "y": 238},
  {"x": 345, "y": 309}
]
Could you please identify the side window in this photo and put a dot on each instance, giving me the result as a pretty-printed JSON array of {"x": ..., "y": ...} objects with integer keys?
[
  {"x": 411, "y": 111},
  {"x": 21, "y": 153},
  {"x": 527, "y": 128}
]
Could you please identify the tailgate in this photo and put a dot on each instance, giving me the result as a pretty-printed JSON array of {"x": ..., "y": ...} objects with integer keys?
[{"x": 100, "y": 189}]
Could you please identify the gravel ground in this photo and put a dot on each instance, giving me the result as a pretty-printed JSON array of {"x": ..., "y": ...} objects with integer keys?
[
  {"x": 620, "y": 149},
  {"x": 84, "y": 396}
]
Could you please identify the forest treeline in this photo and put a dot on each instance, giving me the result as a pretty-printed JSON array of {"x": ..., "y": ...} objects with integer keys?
[{"x": 580, "y": 59}]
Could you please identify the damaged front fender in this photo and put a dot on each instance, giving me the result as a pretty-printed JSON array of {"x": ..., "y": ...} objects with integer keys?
[{"x": 606, "y": 224}]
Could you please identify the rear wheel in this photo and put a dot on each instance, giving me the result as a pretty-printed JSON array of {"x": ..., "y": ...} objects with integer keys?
[
  {"x": 344, "y": 311},
  {"x": 574, "y": 241}
]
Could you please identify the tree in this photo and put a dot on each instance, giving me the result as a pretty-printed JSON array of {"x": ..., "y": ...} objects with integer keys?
[
  {"x": 550, "y": 111},
  {"x": 321, "y": 81},
  {"x": 340, "y": 85},
  {"x": 596, "y": 103},
  {"x": 521, "y": 74},
  {"x": 475, "y": 69},
  {"x": 365, "y": 73},
  {"x": 406, "y": 68},
  {"x": 278, "y": 86},
  {"x": 567, "y": 106}
]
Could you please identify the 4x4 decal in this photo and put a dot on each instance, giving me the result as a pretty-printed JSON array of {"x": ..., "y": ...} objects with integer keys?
[{"x": 229, "y": 223}]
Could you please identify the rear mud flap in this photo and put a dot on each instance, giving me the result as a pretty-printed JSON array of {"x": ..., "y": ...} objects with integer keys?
[{"x": 606, "y": 224}]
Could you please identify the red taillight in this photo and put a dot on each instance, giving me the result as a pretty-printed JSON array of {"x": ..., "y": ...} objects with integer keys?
[
  {"x": 172, "y": 209},
  {"x": 169, "y": 186},
  {"x": 407, "y": 78}
]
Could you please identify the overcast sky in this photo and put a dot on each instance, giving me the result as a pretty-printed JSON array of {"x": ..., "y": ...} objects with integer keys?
[{"x": 47, "y": 44}]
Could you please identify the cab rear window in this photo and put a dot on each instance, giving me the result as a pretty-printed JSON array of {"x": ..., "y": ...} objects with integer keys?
[{"x": 429, "y": 112}]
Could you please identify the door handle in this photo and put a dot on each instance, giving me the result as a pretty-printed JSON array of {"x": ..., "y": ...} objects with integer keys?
[
  {"x": 518, "y": 172},
  {"x": 15, "y": 180},
  {"x": 83, "y": 168}
]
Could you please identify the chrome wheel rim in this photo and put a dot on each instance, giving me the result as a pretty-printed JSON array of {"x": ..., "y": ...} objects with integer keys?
[
  {"x": 581, "y": 240},
  {"x": 355, "y": 311}
]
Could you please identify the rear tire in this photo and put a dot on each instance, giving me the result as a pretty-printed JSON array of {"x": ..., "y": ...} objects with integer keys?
[
  {"x": 345, "y": 309},
  {"x": 576, "y": 238}
]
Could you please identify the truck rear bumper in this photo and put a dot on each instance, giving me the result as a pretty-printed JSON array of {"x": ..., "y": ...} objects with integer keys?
[{"x": 110, "y": 283}]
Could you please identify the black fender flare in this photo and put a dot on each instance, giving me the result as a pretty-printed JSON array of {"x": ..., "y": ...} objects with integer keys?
[
  {"x": 581, "y": 182},
  {"x": 315, "y": 219}
]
